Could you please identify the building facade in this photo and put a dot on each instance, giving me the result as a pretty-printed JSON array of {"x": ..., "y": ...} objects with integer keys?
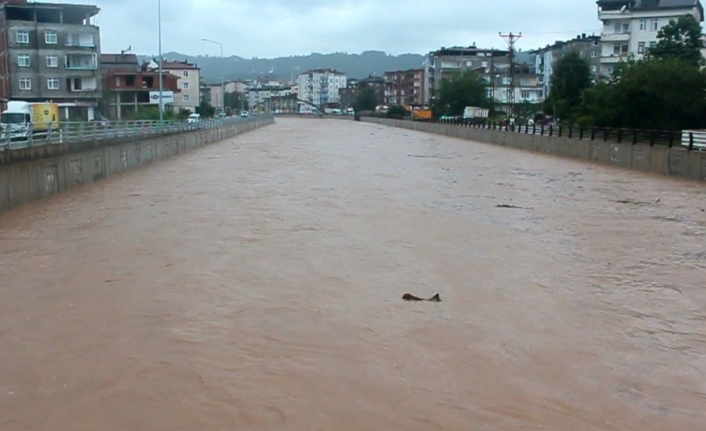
[
  {"x": 630, "y": 26},
  {"x": 51, "y": 52},
  {"x": 320, "y": 86},
  {"x": 189, "y": 77},
  {"x": 588, "y": 47},
  {"x": 405, "y": 87},
  {"x": 127, "y": 85},
  {"x": 261, "y": 96},
  {"x": 216, "y": 91},
  {"x": 446, "y": 62},
  {"x": 348, "y": 95}
]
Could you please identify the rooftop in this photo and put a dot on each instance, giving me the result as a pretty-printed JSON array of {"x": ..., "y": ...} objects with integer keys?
[
  {"x": 648, "y": 5},
  {"x": 178, "y": 65},
  {"x": 21, "y": 10},
  {"x": 468, "y": 50}
]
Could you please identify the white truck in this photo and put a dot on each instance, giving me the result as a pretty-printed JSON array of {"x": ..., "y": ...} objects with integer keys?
[
  {"x": 474, "y": 112},
  {"x": 22, "y": 120}
]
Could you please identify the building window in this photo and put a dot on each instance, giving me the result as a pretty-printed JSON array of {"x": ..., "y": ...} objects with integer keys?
[
  {"x": 185, "y": 73},
  {"x": 594, "y": 68},
  {"x": 23, "y": 36},
  {"x": 53, "y": 83},
  {"x": 641, "y": 48},
  {"x": 653, "y": 44},
  {"x": 51, "y": 38},
  {"x": 655, "y": 24},
  {"x": 525, "y": 94},
  {"x": 185, "y": 85},
  {"x": 594, "y": 54},
  {"x": 186, "y": 98},
  {"x": 25, "y": 84},
  {"x": 52, "y": 61},
  {"x": 643, "y": 24},
  {"x": 23, "y": 60}
]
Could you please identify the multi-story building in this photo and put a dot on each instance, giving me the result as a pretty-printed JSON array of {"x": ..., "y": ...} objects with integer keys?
[
  {"x": 445, "y": 62},
  {"x": 50, "y": 52},
  {"x": 189, "y": 83},
  {"x": 127, "y": 85},
  {"x": 260, "y": 95},
  {"x": 217, "y": 90},
  {"x": 348, "y": 94},
  {"x": 405, "y": 87},
  {"x": 320, "y": 86},
  {"x": 630, "y": 26},
  {"x": 588, "y": 48}
]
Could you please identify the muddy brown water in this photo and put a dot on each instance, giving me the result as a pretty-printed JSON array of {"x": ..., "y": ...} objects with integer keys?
[{"x": 256, "y": 284}]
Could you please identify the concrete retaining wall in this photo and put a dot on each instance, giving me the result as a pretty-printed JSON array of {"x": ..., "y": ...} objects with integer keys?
[
  {"x": 21, "y": 183},
  {"x": 677, "y": 161}
]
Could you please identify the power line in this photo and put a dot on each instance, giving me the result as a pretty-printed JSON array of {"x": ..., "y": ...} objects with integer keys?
[{"x": 510, "y": 39}]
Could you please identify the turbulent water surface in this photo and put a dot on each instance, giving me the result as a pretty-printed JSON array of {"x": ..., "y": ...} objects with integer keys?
[{"x": 256, "y": 284}]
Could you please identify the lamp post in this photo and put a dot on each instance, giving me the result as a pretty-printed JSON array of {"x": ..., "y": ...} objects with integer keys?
[
  {"x": 223, "y": 92},
  {"x": 161, "y": 84}
]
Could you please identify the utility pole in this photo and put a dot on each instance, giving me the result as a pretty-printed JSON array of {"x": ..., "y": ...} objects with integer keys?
[
  {"x": 161, "y": 84},
  {"x": 510, "y": 39},
  {"x": 223, "y": 79}
]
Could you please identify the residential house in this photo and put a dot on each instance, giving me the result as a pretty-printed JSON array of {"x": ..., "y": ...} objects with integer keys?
[
  {"x": 348, "y": 95},
  {"x": 216, "y": 91},
  {"x": 263, "y": 96},
  {"x": 630, "y": 26},
  {"x": 127, "y": 85},
  {"x": 50, "y": 52},
  {"x": 320, "y": 86},
  {"x": 405, "y": 87}
]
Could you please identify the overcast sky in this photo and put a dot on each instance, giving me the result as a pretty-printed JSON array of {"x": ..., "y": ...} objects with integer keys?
[{"x": 273, "y": 28}]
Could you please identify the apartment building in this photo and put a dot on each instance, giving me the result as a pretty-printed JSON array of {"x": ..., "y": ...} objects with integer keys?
[
  {"x": 127, "y": 85},
  {"x": 588, "y": 47},
  {"x": 216, "y": 91},
  {"x": 405, "y": 87},
  {"x": 630, "y": 26},
  {"x": 446, "y": 62},
  {"x": 320, "y": 86},
  {"x": 50, "y": 52},
  {"x": 189, "y": 77},
  {"x": 259, "y": 96},
  {"x": 354, "y": 86}
]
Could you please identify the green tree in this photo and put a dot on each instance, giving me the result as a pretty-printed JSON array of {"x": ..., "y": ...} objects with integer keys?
[
  {"x": 681, "y": 40},
  {"x": 205, "y": 110},
  {"x": 366, "y": 100},
  {"x": 398, "y": 112},
  {"x": 572, "y": 75},
  {"x": 667, "y": 94},
  {"x": 236, "y": 100},
  {"x": 464, "y": 89}
]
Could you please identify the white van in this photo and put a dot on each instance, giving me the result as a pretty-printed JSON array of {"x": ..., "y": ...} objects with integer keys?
[{"x": 194, "y": 118}]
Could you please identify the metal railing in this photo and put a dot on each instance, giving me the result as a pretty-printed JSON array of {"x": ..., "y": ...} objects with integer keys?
[
  {"x": 73, "y": 132},
  {"x": 689, "y": 139}
]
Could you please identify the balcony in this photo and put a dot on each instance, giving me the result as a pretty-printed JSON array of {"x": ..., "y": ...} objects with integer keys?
[
  {"x": 81, "y": 62},
  {"x": 84, "y": 40},
  {"x": 615, "y": 58},
  {"x": 81, "y": 85},
  {"x": 616, "y": 36}
]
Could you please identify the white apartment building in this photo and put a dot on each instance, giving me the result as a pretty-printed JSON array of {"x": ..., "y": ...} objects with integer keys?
[
  {"x": 320, "y": 86},
  {"x": 630, "y": 26},
  {"x": 258, "y": 96},
  {"x": 189, "y": 83},
  {"x": 216, "y": 94}
]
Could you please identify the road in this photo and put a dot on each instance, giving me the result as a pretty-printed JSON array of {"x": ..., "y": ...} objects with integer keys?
[{"x": 256, "y": 284}]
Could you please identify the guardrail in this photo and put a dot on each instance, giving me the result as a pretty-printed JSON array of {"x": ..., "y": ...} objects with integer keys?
[
  {"x": 689, "y": 139},
  {"x": 73, "y": 132}
]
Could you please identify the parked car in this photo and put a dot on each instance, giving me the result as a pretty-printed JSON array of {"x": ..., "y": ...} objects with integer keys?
[
  {"x": 244, "y": 114},
  {"x": 194, "y": 118}
]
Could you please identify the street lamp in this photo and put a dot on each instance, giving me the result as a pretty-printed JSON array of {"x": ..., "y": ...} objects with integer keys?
[
  {"x": 223, "y": 93},
  {"x": 161, "y": 84}
]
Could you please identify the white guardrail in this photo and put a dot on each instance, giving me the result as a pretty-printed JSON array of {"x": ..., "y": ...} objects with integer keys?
[{"x": 73, "y": 132}]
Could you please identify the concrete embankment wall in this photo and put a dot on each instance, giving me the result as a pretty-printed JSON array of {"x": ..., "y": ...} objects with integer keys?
[
  {"x": 36, "y": 173},
  {"x": 677, "y": 161}
]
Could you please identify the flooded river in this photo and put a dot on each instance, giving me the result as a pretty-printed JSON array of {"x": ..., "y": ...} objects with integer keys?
[{"x": 256, "y": 284}]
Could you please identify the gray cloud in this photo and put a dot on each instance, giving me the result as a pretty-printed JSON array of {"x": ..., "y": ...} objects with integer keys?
[{"x": 272, "y": 28}]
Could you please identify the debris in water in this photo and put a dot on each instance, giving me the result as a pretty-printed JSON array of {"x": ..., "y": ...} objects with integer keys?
[
  {"x": 410, "y": 297},
  {"x": 511, "y": 206}
]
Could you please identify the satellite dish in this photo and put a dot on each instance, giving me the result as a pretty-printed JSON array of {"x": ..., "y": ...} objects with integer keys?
[{"x": 624, "y": 8}]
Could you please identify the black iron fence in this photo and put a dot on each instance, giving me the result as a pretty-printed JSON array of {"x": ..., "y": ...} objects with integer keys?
[{"x": 689, "y": 139}]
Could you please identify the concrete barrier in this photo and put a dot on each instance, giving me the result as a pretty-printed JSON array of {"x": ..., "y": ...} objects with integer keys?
[
  {"x": 676, "y": 161},
  {"x": 69, "y": 166}
]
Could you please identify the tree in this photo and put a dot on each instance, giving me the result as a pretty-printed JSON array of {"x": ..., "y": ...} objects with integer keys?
[
  {"x": 464, "y": 89},
  {"x": 398, "y": 112},
  {"x": 365, "y": 100},
  {"x": 572, "y": 75},
  {"x": 236, "y": 100},
  {"x": 205, "y": 110},
  {"x": 679, "y": 40},
  {"x": 667, "y": 94}
]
